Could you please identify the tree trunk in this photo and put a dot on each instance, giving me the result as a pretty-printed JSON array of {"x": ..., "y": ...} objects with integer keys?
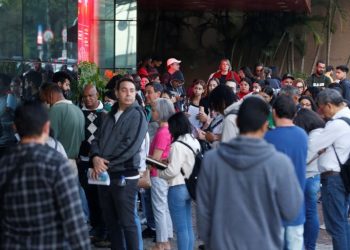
[
  {"x": 155, "y": 34},
  {"x": 278, "y": 46},
  {"x": 302, "y": 66},
  {"x": 233, "y": 49},
  {"x": 292, "y": 55},
  {"x": 316, "y": 57},
  {"x": 284, "y": 59},
  {"x": 329, "y": 24}
]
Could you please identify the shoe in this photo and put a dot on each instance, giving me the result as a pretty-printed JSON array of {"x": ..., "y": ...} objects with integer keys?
[
  {"x": 148, "y": 233},
  {"x": 143, "y": 221},
  {"x": 103, "y": 244},
  {"x": 201, "y": 247}
]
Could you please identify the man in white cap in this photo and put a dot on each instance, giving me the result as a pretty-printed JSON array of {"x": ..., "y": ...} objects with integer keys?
[{"x": 173, "y": 65}]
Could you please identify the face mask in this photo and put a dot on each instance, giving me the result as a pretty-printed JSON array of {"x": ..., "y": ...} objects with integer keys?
[{"x": 107, "y": 106}]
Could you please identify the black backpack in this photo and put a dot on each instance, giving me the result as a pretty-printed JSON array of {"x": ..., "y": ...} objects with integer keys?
[
  {"x": 191, "y": 182},
  {"x": 344, "y": 168}
]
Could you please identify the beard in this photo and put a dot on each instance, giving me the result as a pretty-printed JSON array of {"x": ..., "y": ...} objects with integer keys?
[{"x": 67, "y": 94}]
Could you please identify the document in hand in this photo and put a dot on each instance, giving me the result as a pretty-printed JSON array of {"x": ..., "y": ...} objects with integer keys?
[
  {"x": 157, "y": 164},
  {"x": 103, "y": 178},
  {"x": 193, "y": 112}
]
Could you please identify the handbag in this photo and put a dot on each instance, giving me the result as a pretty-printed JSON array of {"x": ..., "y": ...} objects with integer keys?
[{"x": 145, "y": 180}]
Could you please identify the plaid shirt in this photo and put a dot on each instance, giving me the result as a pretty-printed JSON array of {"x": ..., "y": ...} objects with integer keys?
[{"x": 41, "y": 206}]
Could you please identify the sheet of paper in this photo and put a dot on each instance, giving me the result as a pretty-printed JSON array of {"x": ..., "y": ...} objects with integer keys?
[
  {"x": 103, "y": 178},
  {"x": 193, "y": 112}
]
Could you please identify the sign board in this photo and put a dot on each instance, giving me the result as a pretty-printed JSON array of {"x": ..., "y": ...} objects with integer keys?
[
  {"x": 64, "y": 35},
  {"x": 48, "y": 36}
]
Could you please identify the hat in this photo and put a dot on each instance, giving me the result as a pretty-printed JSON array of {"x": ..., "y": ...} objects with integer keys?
[
  {"x": 287, "y": 75},
  {"x": 171, "y": 61}
]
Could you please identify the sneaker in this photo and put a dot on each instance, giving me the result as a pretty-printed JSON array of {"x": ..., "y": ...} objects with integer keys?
[
  {"x": 102, "y": 244},
  {"x": 148, "y": 233},
  {"x": 143, "y": 221}
]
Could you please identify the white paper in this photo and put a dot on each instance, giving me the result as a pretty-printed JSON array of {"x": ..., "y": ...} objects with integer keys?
[
  {"x": 193, "y": 112},
  {"x": 103, "y": 178}
]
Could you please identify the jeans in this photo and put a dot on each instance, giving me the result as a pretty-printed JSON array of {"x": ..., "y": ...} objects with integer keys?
[
  {"x": 118, "y": 205},
  {"x": 335, "y": 211},
  {"x": 147, "y": 208},
  {"x": 312, "y": 225},
  {"x": 181, "y": 215},
  {"x": 293, "y": 237},
  {"x": 84, "y": 203},
  {"x": 164, "y": 226},
  {"x": 138, "y": 224}
]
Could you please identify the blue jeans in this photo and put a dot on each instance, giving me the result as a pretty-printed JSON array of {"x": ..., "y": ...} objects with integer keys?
[
  {"x": 181, "y": 214},
  {"x": 312, "y": 225},
  {"x": 293, "y": 237},
  {"x": 335, "y": 202},
  {"x": 138, "y": 224}
]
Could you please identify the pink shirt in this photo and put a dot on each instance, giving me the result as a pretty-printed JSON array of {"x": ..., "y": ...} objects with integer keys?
[{"x": 161, "y": 141}]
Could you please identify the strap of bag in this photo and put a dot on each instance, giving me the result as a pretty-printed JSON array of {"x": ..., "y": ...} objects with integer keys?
[
  {"x": 188, "y": 147},
  {"x": 316, "y": 157},
  {"x": 337, "y": 156},
  {"x": 211, "y": 128},
  {"x": 182, "y": 171},
  {"x": 347, "y": 120}
]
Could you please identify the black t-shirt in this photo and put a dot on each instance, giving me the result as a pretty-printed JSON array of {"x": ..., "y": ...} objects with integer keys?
[{"x": 204, "y": 102}]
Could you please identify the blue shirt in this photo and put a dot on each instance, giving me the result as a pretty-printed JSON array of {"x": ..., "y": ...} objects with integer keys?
[{"x": 292, "y": 141}]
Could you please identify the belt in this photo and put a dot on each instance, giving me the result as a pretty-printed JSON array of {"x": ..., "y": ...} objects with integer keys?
[{"x": 328, "y": 173}]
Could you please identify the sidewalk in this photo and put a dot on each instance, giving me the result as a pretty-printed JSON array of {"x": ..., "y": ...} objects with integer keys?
[{"x": 324, "y": 241}]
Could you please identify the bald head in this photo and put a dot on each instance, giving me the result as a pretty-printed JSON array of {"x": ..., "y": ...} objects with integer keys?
[{"x": 90, "y": 96}]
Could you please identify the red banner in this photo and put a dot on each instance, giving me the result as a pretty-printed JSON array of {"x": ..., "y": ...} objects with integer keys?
[{"x": 85, "y": 29}]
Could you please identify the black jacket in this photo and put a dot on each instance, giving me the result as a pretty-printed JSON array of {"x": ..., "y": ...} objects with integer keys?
[{"x": 120, "y": 142}]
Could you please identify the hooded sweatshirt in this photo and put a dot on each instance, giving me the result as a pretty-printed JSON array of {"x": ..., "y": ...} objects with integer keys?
[
  {"x": 245, "y": 189},
  {"x": 229, "y": 126}
]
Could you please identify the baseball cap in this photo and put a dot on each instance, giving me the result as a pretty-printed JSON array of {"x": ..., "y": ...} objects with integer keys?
[
  {"x": 287, "y": 75},
  {"x": 171, "y": 61}
]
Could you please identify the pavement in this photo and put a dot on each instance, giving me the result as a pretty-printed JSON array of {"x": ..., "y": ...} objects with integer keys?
[{"x": 324, "y": 241}]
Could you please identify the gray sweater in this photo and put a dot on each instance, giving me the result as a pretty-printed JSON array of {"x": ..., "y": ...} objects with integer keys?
[{"x": 245, "y": 189}]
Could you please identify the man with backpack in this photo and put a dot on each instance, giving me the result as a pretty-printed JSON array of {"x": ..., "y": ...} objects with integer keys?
[
  {"x": 245, "y": 187},
  {"x": 335, "y": 139}
]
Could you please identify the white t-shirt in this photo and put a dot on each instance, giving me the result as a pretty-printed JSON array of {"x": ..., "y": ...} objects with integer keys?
[{"x": 117, "y": 115}]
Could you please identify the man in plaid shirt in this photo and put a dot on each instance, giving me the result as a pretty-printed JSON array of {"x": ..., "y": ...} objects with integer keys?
[{"x": 41, "y": 206}]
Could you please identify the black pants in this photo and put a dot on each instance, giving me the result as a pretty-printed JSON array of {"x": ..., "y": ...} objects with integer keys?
[
  {"x": 119, "y": 210},
  {"x": 91, "y": 192}
]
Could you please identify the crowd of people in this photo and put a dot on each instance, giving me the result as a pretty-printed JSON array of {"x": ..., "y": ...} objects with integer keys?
[{"x": 268, "y": 144}]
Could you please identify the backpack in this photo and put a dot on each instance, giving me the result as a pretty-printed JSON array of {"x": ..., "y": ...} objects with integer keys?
[
  {"x": 191, "y": 181},
  {"x": 345, "y": 167}
]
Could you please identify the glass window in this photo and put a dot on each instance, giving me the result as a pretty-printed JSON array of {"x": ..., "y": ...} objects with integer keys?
[
  {"x": 105, "y": 10},
  {"x": 125, "y": 44},
  {"x": 11, "y": 29},
  {"x": 126, "y": 10},
  {"x": 44, "y": 25},
  {"x": 106, "y": 44}
]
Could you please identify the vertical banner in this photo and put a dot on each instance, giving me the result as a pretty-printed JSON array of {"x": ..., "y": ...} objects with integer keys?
[{"x": 85, "y": 28}]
